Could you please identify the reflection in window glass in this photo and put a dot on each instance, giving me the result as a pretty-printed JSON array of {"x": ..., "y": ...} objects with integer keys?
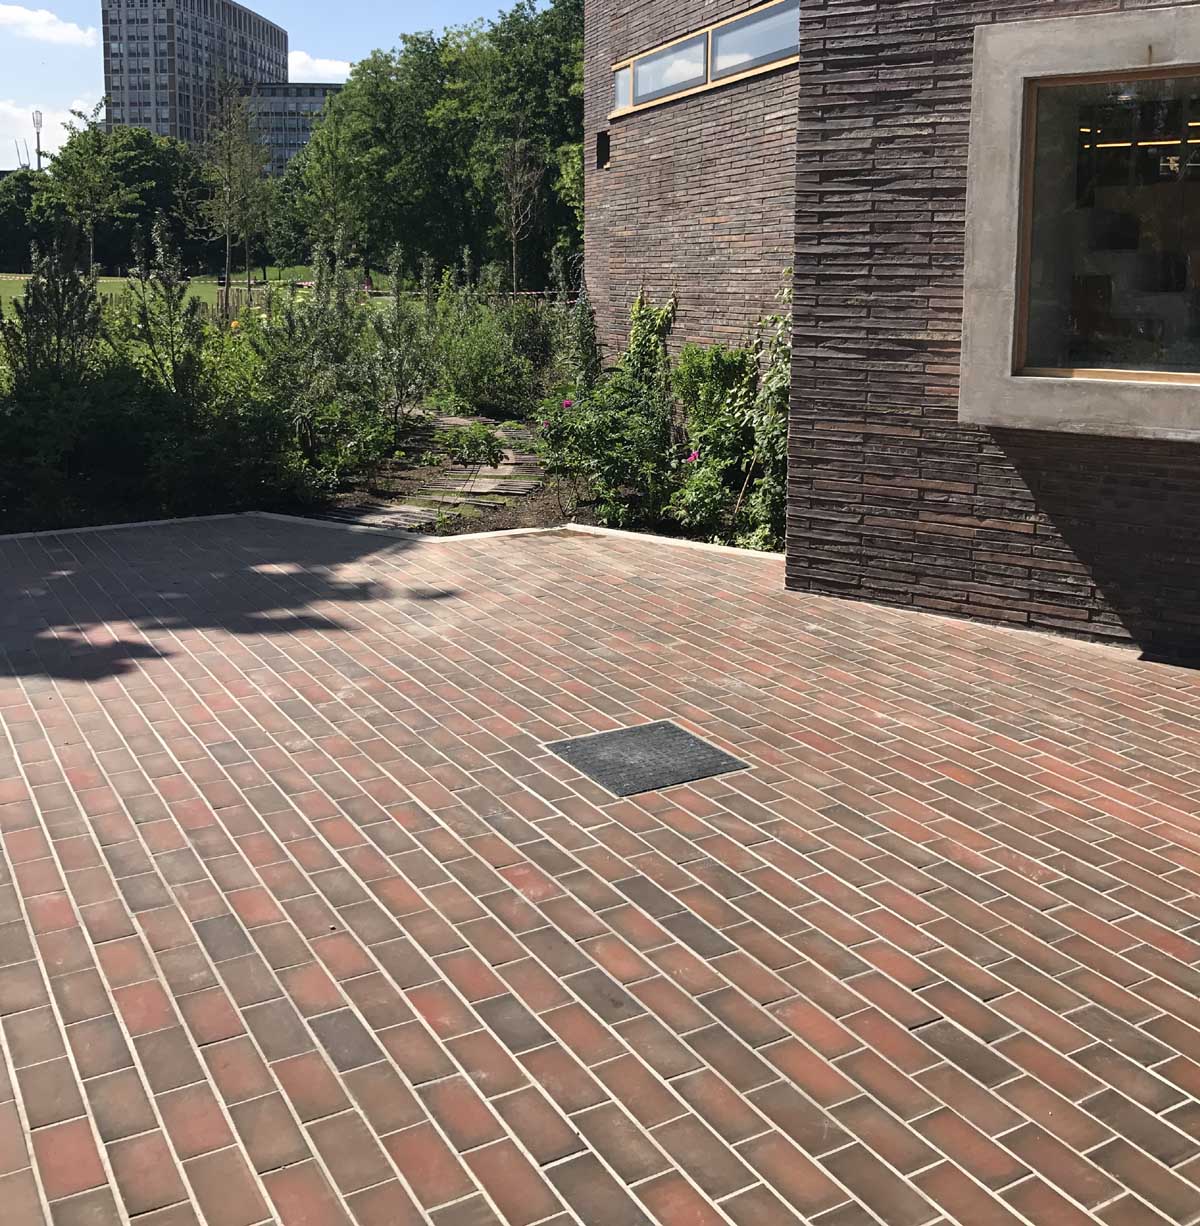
[
  {"x": 761, "y": 38},
  {"x": 622, "y": 88},
  {"x": 671, "y": 70},
  {"x": 1114, "y": 260}
]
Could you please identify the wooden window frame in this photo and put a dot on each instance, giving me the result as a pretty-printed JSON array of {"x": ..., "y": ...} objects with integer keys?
[
  {"x": 711, "y": 83},
  {"x": 1020, "y": 368}
]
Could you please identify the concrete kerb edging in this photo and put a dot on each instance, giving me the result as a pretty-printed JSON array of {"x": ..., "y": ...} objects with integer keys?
[
  {"x": 400, "y": 534},
  {"x": 580, "y": 529},
  {"x": 678, "y": 542},
  {"x": 137, "y": 523}
]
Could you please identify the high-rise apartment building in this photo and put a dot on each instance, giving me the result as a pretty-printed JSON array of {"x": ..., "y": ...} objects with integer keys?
[
  {"x": 165, "y": 61},
  {"x": 282, "y": 114}
]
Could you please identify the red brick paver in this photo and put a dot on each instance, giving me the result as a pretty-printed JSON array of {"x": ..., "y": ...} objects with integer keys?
[{"x": 300, "y": 922}]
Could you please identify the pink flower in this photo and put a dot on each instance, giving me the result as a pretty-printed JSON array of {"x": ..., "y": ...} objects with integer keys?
[
  {"x": 568, "y": 404},
  {"x": 545, "y": 423},
  {"x": 692, "y": 458}
]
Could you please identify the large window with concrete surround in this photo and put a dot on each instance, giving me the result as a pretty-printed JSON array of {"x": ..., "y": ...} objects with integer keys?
[
  {"x": 758, "y": 40},
  {"x": 1111, "y": 260},
  {"x": 1081, "y": 303}
]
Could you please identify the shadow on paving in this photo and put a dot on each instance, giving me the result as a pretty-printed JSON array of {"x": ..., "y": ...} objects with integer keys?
[{"x": 86, "y": 606}]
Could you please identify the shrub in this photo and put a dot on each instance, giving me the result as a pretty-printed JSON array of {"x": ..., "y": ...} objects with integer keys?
[
  {"x": 161, "y": 320},
  {"x": 51, "y": 338},
  {"x": 583, "y": 343},
  {"x": 475, "y": 446},
  {"x": 147, "y": 411},
  {"x": 715, "y": 387},
  {"x": 698, "y": 445},
  {"x": 479, "y": 367},
  {"x": 317, "y": 375},
  {"x": 403, "y": 343},
  {"x": 617, "y": 441}
]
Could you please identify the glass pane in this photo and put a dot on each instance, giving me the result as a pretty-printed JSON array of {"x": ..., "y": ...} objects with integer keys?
[
  {"x": 622, "y": 88},
  {"x": 669, "y": 71},
  {"x": 1114, "y": 273},
  {"x": 761, "y": 38}
]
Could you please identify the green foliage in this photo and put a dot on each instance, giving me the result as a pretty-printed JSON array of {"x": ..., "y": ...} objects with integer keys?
[
  {"x": 161, "y": 320},
  {"x": 316, "y": 373},
  {"x": 616, "y": 440},
  {"x": 418, "y": 148},
  {"x": 404, "y": 349},
  {"x": 165, "y": 186},
  {"x": 50, "y": 341},
  {"x": 475, "y": 446},
  {"x": 584, "y": 345},
  {"x": 699, "y": 444},
  {"x": 153, "y": 412},
  {"x": 715, "y": 388},
  {"x": 479, "y": 364},
  {"x": 90, "y": 179},
  {"x": 734, "y": 484},
  {"x": 471, "y": 136},
  {"x": 110, "y": 187},
  {"x": 239, "y": 194},
  {"x": 18, "y": 231}
]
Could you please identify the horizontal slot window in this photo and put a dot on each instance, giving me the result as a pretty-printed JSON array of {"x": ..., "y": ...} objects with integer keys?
[
  {"x": 672, "y": 70},
  {"x": 761, "y": 38},
  {"x": 766, "y": 37}
]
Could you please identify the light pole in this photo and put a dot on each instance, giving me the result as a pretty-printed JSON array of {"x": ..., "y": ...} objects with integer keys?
[{"x": 37, "y": 129}]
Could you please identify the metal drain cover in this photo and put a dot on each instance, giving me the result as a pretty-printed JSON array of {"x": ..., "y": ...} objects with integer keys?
[{"x": 645, "y": 759}]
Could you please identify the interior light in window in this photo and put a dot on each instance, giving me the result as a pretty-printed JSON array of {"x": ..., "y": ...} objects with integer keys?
[{"x": 1111, "y": 273}]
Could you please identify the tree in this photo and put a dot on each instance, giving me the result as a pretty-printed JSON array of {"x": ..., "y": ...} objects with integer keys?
[
  {"x": 17, "y": 229},
  {"x": 168, "y": 180},
  {"x": 234, "y": 164},
  {"x": 287, "y": 226},
  {"x": 332, "y": 207},
  {"x": 48, "y": 341},
  {"x": 521, "y": 172},
  {"x": 165, "y": 317},
  {"x": 90, "y": 178},
  {"x": 430, "y": 147}
]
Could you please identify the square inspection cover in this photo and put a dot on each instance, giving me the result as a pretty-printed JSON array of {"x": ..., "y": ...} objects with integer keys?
[{"x": 645, "y": 759}]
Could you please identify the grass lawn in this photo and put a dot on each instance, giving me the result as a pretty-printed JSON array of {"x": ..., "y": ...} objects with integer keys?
[
  {"x": 203, "y": 287},
  {"x": 14, "y": 287}
]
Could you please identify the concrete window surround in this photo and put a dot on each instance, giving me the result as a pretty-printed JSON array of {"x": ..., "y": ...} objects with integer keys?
[{"x": 1007, "y": 57}]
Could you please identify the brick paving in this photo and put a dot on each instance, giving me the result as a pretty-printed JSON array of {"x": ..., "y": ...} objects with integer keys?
[{"x": 300, "y": 923}]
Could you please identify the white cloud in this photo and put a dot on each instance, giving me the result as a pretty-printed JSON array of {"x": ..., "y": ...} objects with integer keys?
[
  {"x": 43, "y": 26},
  {"x": 16, "y": 125},
  {"x": 305, "y": 67}
]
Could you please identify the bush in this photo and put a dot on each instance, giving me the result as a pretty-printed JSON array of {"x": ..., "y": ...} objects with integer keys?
[
  {"x": 475, "y": 446},
  {"x": 50, "y": 341},
  {"x": 316, "y": 373},
  {"x": 147, "y": 411},
  {"x": 403, "y": 350},
  {"x": 479, "y": 367},
  {"x": 698, "y": 445},
  {"x": 617, "y": 441}
]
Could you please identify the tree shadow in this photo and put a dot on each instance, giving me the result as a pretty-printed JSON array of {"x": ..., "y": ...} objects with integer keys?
[
  {"x": 1129, "y": 512},
  {"x": 85, "y": 606}
]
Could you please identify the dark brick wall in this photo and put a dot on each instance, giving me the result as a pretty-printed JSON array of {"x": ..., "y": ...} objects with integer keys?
[
  {"x": 700, "y": 194},
  {"x": 890, "y": 498}
]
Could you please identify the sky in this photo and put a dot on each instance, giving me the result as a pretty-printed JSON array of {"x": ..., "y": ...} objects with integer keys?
[{"x": 50, "y": 58}]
